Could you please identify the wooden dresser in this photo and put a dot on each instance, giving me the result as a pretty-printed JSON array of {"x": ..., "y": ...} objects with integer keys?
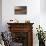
[{"x": 22, "y": 33}]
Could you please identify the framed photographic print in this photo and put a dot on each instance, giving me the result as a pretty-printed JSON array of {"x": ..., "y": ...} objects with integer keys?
[{"x": 20, "y": 10}]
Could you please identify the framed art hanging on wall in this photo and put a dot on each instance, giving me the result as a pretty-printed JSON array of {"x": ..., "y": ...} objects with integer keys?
[{"x": 20, "y": 10}]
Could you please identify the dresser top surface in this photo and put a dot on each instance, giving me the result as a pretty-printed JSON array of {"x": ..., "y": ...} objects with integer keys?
[{"x": 19, "y": 23}]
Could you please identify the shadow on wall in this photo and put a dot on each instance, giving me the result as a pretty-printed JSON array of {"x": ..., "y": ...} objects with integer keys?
[
  {"x": 0, "y": 24},
  {"x": 43, "y": 6},
  {"x": 0, "y": 15}
]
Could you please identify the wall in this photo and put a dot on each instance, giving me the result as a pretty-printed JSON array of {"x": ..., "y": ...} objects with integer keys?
[
  {"x": 8, "y": 11},
  {"x": 43, "y": 14},
  {"x": 0, "y": 15},
  {"x": 34, "y": 14},
  {"x": 43, "y": 6}
]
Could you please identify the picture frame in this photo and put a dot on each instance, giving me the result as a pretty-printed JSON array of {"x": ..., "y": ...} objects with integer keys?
[{"x": 20, "y": 10}]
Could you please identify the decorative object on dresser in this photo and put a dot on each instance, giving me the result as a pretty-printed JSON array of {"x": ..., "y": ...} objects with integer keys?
[
  {"x": 13, "y": 21},
  {"x": 22, "y": 33}
]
